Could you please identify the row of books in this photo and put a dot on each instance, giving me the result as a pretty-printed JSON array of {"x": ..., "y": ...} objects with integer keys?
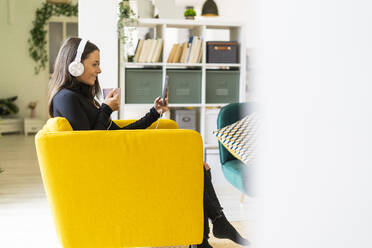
[
  {"x": 187, "y": 52},
  {"x": 148, "y": 51}
]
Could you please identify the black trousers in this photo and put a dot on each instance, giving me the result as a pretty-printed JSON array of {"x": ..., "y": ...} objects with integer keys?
[{"x": 212, "y": 206}]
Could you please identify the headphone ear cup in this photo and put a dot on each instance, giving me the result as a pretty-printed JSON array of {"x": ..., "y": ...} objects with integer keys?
[{"x": 76, "y": 68}]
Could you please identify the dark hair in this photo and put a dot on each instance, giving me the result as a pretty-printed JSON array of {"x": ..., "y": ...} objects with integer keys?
[{"x": 61, "y": 78}]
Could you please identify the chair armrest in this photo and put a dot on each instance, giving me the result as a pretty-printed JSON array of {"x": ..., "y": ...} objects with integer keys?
[
  {"x": 163, "y": 124},
  {"x": 128, "y": 187}
]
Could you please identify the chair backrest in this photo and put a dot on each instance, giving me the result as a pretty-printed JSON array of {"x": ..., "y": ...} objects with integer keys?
[
  {"x": 116, "y": 189},
  {"x": 228, "y": 115}
]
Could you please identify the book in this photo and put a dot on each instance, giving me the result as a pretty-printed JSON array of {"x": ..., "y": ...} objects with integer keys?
[
  {"x": 151, "y": 51},
  {"x": 138, "y": 51},
  {"x": 159, "y": 47},
  {"x": 144, "y": 52},
  {"x": 184, "y": 52},
  {"x": 171, "y": 54},
  {"x": 200, "y": 54},
  {"x": 194, "y": 50},
  {"x": 177, "y": 54},
  {"x": 188, "y": 53}
]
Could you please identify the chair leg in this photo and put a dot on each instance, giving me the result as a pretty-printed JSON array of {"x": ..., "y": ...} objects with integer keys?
[{"x": 242, "y": 198}]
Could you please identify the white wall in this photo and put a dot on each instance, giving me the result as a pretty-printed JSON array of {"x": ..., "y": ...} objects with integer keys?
[
  {"x": 315, "y": 71},
  {"x": 98, "y": 23},
  {"x": 16, "y": 66}
]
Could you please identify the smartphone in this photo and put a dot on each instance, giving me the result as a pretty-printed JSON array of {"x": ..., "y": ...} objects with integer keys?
[{"x": 165, "y": 86}]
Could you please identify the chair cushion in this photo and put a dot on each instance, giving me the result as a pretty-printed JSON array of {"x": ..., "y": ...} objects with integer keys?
[
  {"x": 58, "y": 124},
  {"x": 240, "y": 176},
  {"x": 240, "y": 138}
]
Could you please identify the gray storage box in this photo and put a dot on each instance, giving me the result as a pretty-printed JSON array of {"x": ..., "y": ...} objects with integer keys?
[
  {"x": 222, "y": 52},
  {"x": 142, "y": 85},
  {"x": 222, "y": 86},
  {"x": 186, "y": 119},
  {"x": 184, "y": 86}
]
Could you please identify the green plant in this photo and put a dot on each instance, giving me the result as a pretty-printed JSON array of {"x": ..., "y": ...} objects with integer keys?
[
  {"x": 37, "y": 41},
  {"x": 8, "y": 107},
  {"x": 127, "y": 20},
  {"x": 190, "y": 12}
]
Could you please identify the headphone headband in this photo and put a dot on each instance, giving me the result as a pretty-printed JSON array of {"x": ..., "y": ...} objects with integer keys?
[{"x": 80, "y": 50}]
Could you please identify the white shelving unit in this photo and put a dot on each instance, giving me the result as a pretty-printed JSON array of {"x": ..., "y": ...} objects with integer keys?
[{"x": 161, "y": 28}]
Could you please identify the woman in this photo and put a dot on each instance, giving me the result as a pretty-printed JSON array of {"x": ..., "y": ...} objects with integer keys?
[{"x": 73, "y": 97}]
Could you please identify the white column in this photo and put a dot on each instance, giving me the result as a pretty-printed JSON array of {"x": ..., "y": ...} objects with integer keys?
[{"x": 315, "y": 77}]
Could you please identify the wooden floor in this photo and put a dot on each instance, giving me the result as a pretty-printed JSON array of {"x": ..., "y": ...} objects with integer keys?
[{"x": 25, "y": 219}]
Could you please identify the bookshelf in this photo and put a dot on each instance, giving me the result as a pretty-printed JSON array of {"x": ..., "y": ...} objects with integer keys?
[{"x": 165, "y": 29}]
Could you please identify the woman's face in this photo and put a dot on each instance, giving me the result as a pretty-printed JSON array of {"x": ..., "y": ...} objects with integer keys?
[{"x": 91, "y": 68}]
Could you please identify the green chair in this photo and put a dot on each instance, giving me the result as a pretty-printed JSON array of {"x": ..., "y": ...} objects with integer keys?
[{"x": 234, "y": 170}]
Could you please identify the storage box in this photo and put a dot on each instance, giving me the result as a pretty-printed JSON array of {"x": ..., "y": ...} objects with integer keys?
[
  {"x": 184, "y": 86},
  {"x": 222, "y": 86},
  {"x": 186, "y": 119},
  {"x": 142, "y": 85},
  {"x": 222, "y": 52}
]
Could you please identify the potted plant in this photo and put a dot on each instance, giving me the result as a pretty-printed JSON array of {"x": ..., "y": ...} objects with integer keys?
[
  {"x": 126, "y": 25},
  {"x": 190, "y": 13},
  {"x": 37, "y": 40},
  {"x": 8, "y": 107}
]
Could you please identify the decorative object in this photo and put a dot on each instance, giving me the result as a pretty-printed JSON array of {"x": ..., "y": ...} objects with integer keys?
[
  {"x": 209, "y": 8},
  {"x": 8, "y": 107},
  {"x": 190, "y": 13},
  {"x": 126, "y": 25},
  {"x": 37, "y": 41},
  {"x": 32, "y": 107},
  {"x": 240, "y": 138}
]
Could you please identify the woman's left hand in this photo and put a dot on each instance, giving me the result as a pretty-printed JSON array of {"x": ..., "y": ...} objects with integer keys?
[{"x": 159, "y": 106}]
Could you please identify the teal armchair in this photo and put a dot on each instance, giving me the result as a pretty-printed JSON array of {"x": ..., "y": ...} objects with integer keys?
[{"x": 234, "y": 170}]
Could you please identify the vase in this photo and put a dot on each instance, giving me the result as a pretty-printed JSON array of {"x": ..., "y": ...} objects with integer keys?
[
  {"x": 33, "y": 113},
  {"x": 190, "y": 17}
]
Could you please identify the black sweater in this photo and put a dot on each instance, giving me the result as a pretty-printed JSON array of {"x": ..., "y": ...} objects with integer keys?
[{"x": 74, "y": 105}]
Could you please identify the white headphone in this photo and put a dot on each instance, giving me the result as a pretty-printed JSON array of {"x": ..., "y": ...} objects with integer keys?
[{"x": 76, "y": 68}]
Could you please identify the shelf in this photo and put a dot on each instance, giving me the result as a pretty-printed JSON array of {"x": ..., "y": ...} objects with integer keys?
[
  {"x": 217, "y": 84},
  {"x": 216, "y": 105},
  {"x": 137, "y": 65},
  {"x": 174, "y": 105},
  {"x": 179, "y": 23},
  {"x": 180, "y": 65},
  {"x": 220, "y": 66}
]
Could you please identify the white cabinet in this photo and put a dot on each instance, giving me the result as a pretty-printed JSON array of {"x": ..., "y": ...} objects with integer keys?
[
  {"x": 11, "y": 125},
  {"x": 32, "y": 125}
]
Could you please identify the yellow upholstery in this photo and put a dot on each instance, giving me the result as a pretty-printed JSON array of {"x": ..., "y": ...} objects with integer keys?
[{"x": 123, "y": 188}]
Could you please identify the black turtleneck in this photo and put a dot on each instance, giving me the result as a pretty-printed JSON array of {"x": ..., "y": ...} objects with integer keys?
[{"x": 82, "y": 114}]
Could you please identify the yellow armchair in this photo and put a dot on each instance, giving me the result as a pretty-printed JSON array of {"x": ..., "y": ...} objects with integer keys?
[{"x": 123, "y": 188}]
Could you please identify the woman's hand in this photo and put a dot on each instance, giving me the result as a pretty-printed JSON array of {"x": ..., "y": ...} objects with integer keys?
[
  {"x": 161, "y": 107},
  {"x": 113, "y": 100}
]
